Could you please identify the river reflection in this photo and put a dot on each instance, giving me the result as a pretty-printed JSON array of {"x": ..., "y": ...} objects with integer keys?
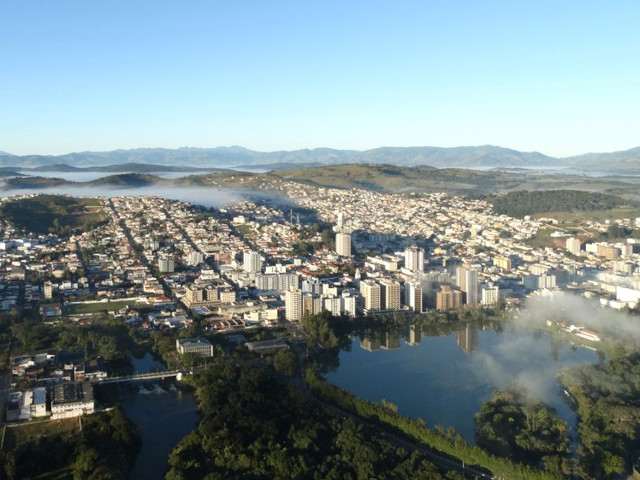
[{"x": 445, "y": 376}]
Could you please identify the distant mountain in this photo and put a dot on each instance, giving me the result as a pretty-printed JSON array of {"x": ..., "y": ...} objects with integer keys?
[
  {"x": 622, "y": 161},
  {"x": 486, "y": 156},
  {"x": 122, "y": 167}
]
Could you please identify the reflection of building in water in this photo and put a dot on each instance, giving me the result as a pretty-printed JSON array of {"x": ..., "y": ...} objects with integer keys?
[
  {"x": 467, "y": 339},
  {"x": 369, "y": 344},
  {"x": 415, "y": 335},
  {"x": 391, "y": 341}
]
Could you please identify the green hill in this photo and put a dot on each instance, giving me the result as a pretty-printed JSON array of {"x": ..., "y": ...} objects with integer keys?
[{"x": 54, "y": 214}]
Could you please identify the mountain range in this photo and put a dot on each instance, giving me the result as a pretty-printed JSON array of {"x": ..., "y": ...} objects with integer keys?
[{"x": 486, "y": 156}]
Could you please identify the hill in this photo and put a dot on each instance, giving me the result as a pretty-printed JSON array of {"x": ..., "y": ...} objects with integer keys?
[
  {"x": 484, "y": 156},
  {"x": 53, "y": 214},
  {"x": 121, "y": 180},
  {"x": 519, "y": 204}
]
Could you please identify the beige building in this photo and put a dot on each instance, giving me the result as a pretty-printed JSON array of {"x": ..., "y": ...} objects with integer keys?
[
  {"x": 448, "y": 298},
  {"x": 390, "y": 292},
  {"x": 370, "y": 292},
  {"x": 343, "y": 244}
]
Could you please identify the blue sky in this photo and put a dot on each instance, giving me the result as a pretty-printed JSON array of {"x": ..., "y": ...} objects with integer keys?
[{"x": 558, "y": 77}]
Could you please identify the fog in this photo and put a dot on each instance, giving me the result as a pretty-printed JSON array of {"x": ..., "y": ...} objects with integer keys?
[
  {"x": 207, "y": 197},
  {"x": 571, "y": 308}
]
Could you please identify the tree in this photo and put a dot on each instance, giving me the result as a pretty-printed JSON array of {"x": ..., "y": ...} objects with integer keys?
[{"x": 285, "y": 362}]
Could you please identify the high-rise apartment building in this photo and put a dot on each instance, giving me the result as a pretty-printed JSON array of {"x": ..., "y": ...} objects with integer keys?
[
  {"x": 343, "y": 244},
  {"x": 293, "y": 305},
  {"x": 370, "y": 292},
  {"x": 251, "y": 262},
  {"x": 448, "y": 298},
  {"x": 390, "y": 294},
  {"x": 166, "y": 263},
  {"x": 467, "y": 281},
  {"x": 413, "y": 296},
  {"x": 414, "y": 259}
]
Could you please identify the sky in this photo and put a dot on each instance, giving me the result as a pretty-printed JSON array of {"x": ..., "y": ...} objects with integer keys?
[{"x": 562, "y": 78}]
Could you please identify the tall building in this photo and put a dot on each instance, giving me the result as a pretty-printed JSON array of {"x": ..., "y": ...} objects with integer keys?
[
  {"x": 47, "y": 290},
  {"x": 490, "y": 295},
  {"x": 467, "y": 281},
  {"x": 166, "y": 263},
  {"x": 413, "y": 296},
  {"x": 414, "y": 259},
  {"x": 195, "y": 258},
  {"x": 390, "y": 294},
  {"x": 573, "y": 245},
  {"x": 448, "y": 298},
  {"x": 251, "y": 262},
  {"x": 311, "y": 304},
  {"x": 343, "y": 244},
  {"x": 370, "y": 292},
  {"x": 293, "y": 305}
]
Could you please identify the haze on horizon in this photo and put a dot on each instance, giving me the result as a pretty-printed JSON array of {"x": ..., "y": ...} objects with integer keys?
[{"x": 283, "y": 75}]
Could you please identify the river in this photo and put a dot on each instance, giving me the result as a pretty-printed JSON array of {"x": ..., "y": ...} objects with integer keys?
[
  {"x": 163, "y": 414},
  {"x": 444, "y": 379}
]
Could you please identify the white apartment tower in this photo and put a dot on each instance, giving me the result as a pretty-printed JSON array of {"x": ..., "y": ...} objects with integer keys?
[
  {"x": 414, "y": 259},
  {"x": 293, "y": 305},
  {"x": 251, "y": 262},
  {"x": 343, "y": 244}
]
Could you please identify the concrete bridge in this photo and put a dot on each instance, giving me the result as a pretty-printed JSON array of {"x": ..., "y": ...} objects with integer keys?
[{"x": 142, "y": 377}]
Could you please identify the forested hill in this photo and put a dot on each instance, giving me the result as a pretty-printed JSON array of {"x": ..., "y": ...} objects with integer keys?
[{"x": 521, "y": 203}]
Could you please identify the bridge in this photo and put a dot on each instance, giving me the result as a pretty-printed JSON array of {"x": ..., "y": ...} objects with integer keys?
[{"x": 142, "y": 377}]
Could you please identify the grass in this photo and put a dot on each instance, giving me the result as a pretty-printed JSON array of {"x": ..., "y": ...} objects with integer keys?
[{"x": 110, "y": 306}]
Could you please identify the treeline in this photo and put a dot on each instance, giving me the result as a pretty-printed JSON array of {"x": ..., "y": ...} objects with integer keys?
[
  {"x": 609, "y": 410},
  {"x": 256, "y": 425},
  {"x": 105, "y": 450},
  {"x": 447, "y": 442},
  {"x": 513, "y": 426},
  {"x": 521, "y": 203}
]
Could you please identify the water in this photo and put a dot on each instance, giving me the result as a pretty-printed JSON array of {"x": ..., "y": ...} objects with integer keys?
[
  {"x": 90, "y": 176},
  {"x": 445, "y": 379},
  {"x": 163, "y": 414}
]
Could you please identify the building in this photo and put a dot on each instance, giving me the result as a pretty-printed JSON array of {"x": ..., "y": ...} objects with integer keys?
[
  {"x": 343, "y": 244},
  {"x": 415, "y": 335},
  {"x": 311, "y": 304},
  {"x": 39, "y": 402},
  {"x": 197, "y": 346},
  {"x": 72, "y": 399},
  {"x": 448, "y": 298},
  {"x": 390, "y": 294},
  {"x": 195, "y": 258},
  {"x": 467, "y": 281},
  {"x": 414, "y": 259},
  {"x": 573, "y": 245},
  {"x": 280, "y": 282},
  {"x": 47, "y": 290},
  {"x": 490, "y": 295},
  {"x": 413, "y": 296},
  {"x": 503, "y": 262},
  {"x": 251, "y": 262},
  {"x": 608, "y": 251},
  {"x": 166, "y": 263},
  {"x": 293, "y": 305},
  {"x": 370, "y": 292}
]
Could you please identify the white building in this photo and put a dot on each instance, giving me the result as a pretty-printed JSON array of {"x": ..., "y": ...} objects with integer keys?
[
  {"x": 413, "y": 296},
  {"x": 414, "y": 259},
  {"x": 293, "y": 305},
  {"x": 343, "y": 244},
  {"x": 251, "y": 262},
  {"x": 490, "y": 295}
]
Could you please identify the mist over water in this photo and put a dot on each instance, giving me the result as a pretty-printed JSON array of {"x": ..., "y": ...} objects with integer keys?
[{"x": 207, "y": 197}]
